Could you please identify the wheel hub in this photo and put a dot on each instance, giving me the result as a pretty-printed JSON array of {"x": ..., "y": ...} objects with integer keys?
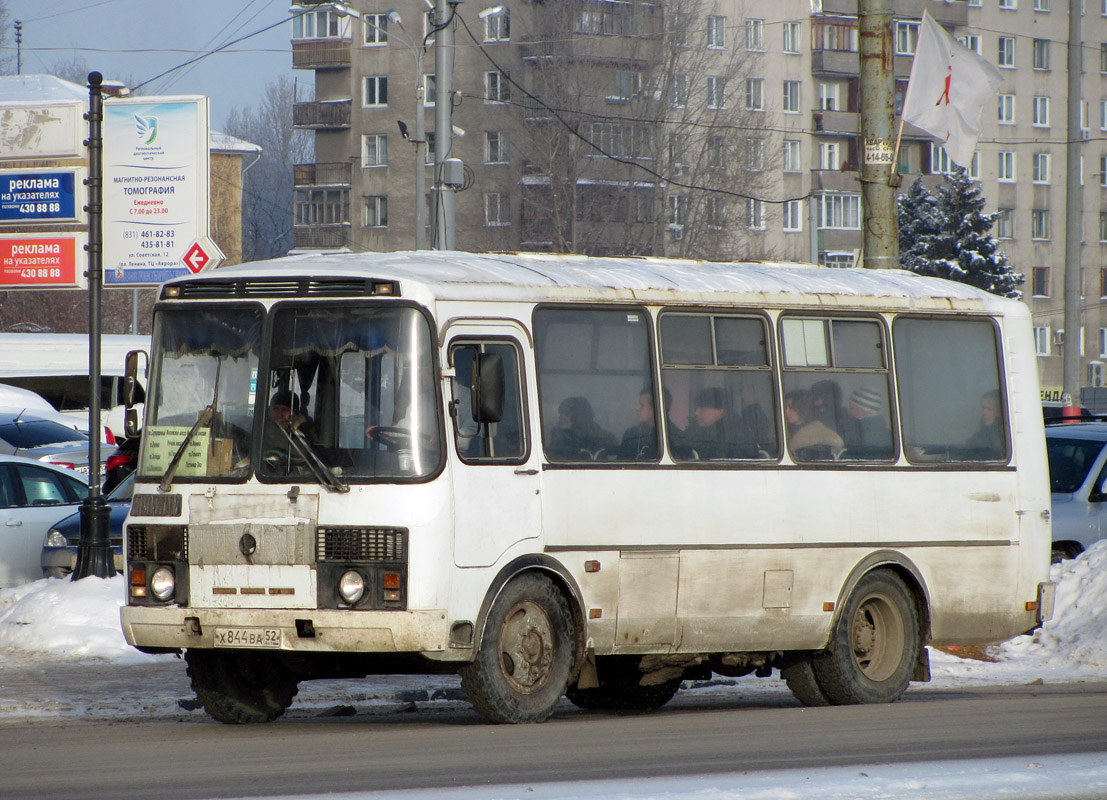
[{"x": 527, "y": 650}]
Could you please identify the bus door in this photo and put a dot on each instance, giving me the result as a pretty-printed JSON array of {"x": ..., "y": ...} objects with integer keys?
[{"x": 495, "y": 469}]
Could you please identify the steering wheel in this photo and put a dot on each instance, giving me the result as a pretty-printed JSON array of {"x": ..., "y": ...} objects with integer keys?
[
  {"x": 392, "y": 438},
  {"x": 276, "y": 457}
]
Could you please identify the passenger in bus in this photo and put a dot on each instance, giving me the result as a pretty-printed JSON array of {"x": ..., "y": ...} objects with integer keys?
[
  {"x": 577, "y": 437},
  {"x": 827, "y": 397},
  {"x": 284, "y": 410},
  {"x": 809, "y": 439},
  {"x": 715, "y": 433},
  {"x": 988, "y": 443},
  {"x": 866, "y": 431},
  {"x": 639, "y": 442}
]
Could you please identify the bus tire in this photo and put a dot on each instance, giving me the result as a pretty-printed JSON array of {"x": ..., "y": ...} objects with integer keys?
[
  {"x": 801, "y": 680},
  {"x": 526, "y": 654},
  {"x": 874, "y": 645},
  {"x": 620, "y": 689},
  {"x": 238, "y": 687}
]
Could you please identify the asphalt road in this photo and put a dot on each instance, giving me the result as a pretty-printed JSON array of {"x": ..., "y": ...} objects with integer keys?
[{"x": 444, "y": 744}]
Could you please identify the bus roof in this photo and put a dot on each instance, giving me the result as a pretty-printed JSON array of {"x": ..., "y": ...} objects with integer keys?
[{"x": 536, "y": 277}]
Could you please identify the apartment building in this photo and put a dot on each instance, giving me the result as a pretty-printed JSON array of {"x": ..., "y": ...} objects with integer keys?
[{"x": 698, "y": 128}]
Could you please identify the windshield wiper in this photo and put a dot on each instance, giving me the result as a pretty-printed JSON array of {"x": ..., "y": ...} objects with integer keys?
[
  {"x": 203, "y": 419},
  {"x": 307, "y": 452}
]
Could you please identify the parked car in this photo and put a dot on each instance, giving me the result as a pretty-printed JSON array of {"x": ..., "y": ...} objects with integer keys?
[
  {"x": 13, "y": 398},
  {"x": 59, "y": 548},
  {"x": 1077, "y": 472},
  {"x": 123, "y": 462},
  {"x": 24, "y": 434},
  {"x": 32, "y": 497}
]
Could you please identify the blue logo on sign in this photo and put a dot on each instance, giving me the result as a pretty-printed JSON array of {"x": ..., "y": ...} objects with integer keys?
[{"x": 146, "y": 128}]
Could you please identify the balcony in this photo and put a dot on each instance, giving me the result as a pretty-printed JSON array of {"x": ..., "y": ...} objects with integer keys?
[
  {"x": 321, "y": 53},
  {"x": 835, "y": 62},
  {"x": 330, "y": 174},
  {"x": 321, "y": 237},
  {"x": 328, "y": 114},
  {"x": 944, "y": 13},
  {"x": 846, "y": 123}
]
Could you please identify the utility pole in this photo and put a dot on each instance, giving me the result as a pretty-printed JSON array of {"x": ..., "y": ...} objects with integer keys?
[
  {"x": 444, "y": 180},
  {"x": 1074, "y": 213},
  {"x": 18, "y": 47},
  {"x": 878, "y": 170}
]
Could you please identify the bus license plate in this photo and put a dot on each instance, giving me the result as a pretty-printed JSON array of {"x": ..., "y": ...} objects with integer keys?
[{"x": 248, "y": 637}]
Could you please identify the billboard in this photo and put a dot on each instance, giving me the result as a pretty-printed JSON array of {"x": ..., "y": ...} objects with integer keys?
[
  {"x": 46, "y": 261},
  {"x": 156, "y": 187},
  {"x": 38, "y": 130},
  {"x": 39, "y": 195}
]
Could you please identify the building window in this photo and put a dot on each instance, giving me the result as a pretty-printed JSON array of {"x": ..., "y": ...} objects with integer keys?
[
  {"x": 496, "y": 27},
  {"x": 495, "y": 210},
  {"x": 1040, "y": 281},
  {"x": 430, "y": 147},
  {"x": 716, "y": 88},
  {"x": 971, "y": 42},
  {"x": 1006, "y": 172},
  {"x": 1042, "y": 5},
  {"x": 791, "y": 37},
  {"x": 940, "y": 163},
  {"x": 1041, "y": 168},
  {"x": 791, "y": 156},
  {"x": 1102, "y": 293},
  {"x": 376, "y": 91},
  {"x": 830, "y": 97},
  {"x": 375, "y": 214},
  {"x": 716, "y": 151},
  {"x": 1041, "y": 112},
  {"x": 793, "y": 216},
  {"x": 429, "y": 28},
  {"x": 1006, "y": 52},
  {"x": 755, "y": 154},
  {"x": 1041, "y": 54},
  {"x": 495, "y": 147},
  {"x": 1006, "y": 109},
  {"x": 320, "y": 25},
  {"x": 756, "y": 210},
  {"x": 1103, "y": 58},
  {"x": 495, "y": 87},
  {"x": 755, "y": 29},
  {"x": 716, "y": 32},
  {"x": 678, "y": 91},
  {"x": 1103, "y": 171},
  {"x": 907, "y": 37},
  {"x": 678, "y": 209},
  {"x": 755, "y": 99},
  {"x": 1041, "y": 340},
  {"x": 374, "y": 150},
  {"x": 830, "y": 155},
  {"x": 1039, "y": 224},
  {"x": 840, "y": 211},
  {"x": 792, "y": 97},
  {"x": 1103, "y": 227},
  {"x": 628, "y": 83},
  {"x": 715, "y": 211},
  {"x": 1005, "y": 226},
  {"x": 1009, "y": 5},
  {"x": 375, "y": 28},
  {"x": 430, "y": 90},
  {"x": 321, "y": 206}
]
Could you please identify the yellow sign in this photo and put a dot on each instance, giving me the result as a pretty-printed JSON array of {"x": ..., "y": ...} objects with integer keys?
[{"x": 162, "y": 442}]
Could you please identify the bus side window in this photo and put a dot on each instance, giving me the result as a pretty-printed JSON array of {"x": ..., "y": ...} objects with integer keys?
[{"x": 490, "y": 441}]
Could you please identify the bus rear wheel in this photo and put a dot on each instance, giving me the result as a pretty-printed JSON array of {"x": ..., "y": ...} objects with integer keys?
[
  {"x": 874, "y": 645},
  {"x": 238, "y": 687},
  {"x": 620, "y": 688},
  {"x": 525, "y": 656}
]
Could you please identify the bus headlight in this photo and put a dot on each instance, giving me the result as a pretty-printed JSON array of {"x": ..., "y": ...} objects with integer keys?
[
  {"x": 351, "y": 586},
  {"x": 163, "y": 583}
]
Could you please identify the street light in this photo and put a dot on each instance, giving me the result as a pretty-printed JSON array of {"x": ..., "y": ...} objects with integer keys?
[{"x": 420, "y": 138}]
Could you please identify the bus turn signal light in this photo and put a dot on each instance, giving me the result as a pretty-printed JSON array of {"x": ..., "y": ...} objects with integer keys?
[{"x": 138, "y": 581}]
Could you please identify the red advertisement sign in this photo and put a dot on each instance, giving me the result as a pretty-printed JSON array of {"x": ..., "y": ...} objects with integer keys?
[{"x": 38, "y": 261}]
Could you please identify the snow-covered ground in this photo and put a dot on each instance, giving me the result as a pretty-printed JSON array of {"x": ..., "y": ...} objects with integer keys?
[{"x": 62, "y": 656}]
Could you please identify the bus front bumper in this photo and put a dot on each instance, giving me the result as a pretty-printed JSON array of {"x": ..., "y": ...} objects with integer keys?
[{"x": 298, "y": 630}]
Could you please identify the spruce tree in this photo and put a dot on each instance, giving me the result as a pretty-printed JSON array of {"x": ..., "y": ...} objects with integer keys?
[{"x": 949, "y": 236}]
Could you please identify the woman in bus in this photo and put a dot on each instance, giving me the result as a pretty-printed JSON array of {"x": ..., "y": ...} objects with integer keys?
[
  {"x": 809, "y": 439},
  {"x": 577, "y": 437}
]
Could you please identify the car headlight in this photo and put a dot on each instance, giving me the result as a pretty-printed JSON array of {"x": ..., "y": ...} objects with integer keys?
[
  {"x": 351, "y": 586},
  {"x": 163, "y": 583},
  {"x": 55, "y": 538}
]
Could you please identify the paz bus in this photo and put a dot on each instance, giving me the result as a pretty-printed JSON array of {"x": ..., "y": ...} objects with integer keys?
[{"x": 591, "y": 478}]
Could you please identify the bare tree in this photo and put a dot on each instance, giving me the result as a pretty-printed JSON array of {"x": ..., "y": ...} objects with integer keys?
[{"x": 268, "y": 188}]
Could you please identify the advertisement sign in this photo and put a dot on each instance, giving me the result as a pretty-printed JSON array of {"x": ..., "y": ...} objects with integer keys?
[
  {"x": 35, "y": 262},
  {"x": 39, "y": 196},
  {"x": 37, "y": 130},
  {"x": 156, "y": 186}
]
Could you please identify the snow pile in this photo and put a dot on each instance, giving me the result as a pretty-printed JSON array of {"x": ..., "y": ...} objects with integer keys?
[{"x": 65, "y": 619}]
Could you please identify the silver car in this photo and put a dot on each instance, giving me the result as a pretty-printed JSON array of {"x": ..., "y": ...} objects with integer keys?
[
  {"x": 24, "y": 434},
  {"x": 33, "y": 496},
  {"x": 1077, "y": 473}
]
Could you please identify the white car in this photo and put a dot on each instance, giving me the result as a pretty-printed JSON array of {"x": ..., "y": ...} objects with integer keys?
[
  {"x": 33, "y": 496},
  {"x": 13, "y": 398}
]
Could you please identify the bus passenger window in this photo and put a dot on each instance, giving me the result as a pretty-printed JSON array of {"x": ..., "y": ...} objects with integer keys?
[
  {"x": 718, "y": 388},
  {"x": 487, "y": 441},
  {"x": 947, "y": 373}
]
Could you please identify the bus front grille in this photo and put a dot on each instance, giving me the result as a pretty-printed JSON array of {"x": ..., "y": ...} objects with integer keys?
[{"x": 361, "y": 544}]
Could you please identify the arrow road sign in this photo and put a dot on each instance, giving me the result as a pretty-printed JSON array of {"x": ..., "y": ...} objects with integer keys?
[{"x": 204, "y": 254}]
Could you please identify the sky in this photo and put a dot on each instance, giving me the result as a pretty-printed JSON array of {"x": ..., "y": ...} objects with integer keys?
[
  {"x": 134, "y": 41},
  {"x": 70, "y": 627}
]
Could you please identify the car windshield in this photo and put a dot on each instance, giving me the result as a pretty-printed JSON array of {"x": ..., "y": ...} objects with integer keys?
[
  {"x": 1069, "y": 462},
  {"x": 202, "y": 389},
  {"x": 124, "y": 491},
  {"x": 38, "y": 433}
]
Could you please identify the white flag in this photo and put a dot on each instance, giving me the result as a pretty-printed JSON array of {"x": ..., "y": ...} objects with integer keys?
[{"x": 948, "y": 88}]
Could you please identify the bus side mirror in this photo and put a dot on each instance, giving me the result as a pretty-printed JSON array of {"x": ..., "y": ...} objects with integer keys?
[
  {"x": 133, "y": 392},
  {"x": 488, "y": 387}
]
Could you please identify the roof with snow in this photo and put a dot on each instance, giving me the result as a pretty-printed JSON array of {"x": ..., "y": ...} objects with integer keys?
[{"x": 40, "y": 89}]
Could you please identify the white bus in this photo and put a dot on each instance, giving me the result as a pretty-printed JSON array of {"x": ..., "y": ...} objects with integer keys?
[{"x": 583, "y": 477}]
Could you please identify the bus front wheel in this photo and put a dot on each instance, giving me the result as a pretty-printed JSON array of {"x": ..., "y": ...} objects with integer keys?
[
  {"x": 525, "y": 656},
  {"x": 874, "y": 645},
  {"x": 241, "y": 687}
]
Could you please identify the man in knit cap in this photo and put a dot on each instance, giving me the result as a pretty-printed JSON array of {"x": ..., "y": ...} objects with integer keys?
[{"x": 867, "y": 431}]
